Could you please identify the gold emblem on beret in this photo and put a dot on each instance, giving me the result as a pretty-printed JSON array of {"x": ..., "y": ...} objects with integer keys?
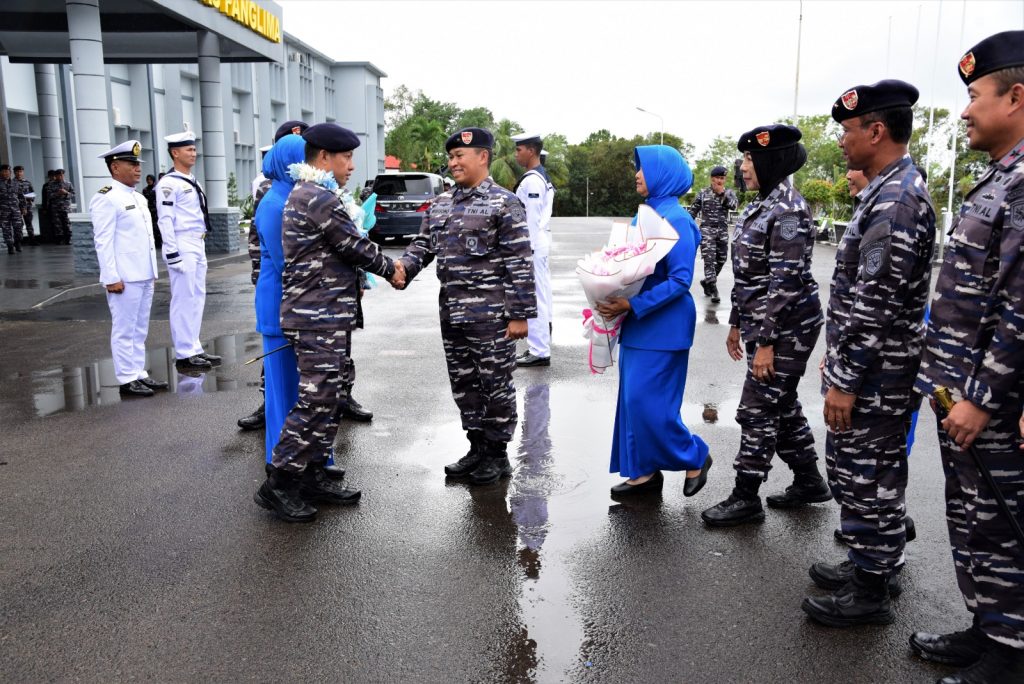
[
  {"x": 136, "y": 149},
  {"x": 763, "y": 138},
  {"x": 467, "y": 137},
  {"x": 967, "y": 64}
]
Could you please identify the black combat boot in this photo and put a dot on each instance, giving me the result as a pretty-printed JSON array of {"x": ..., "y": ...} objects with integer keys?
[
  {"x": 864, "y": 600},
  {"x": 704, "y": 285},
  {"x": 808, "y": 487},
  {"x": 316, "y": 486},
  {"x": 715, "y": 299},
  {"x": 280, "y": 493},
  {"x": 960, "y": 649},
  {"x": 256, "y": 420},
  {"x": 998, "y": 664},
  {"x": 353, "y": 410},
  {"x": 468, "y": 463},
  {"x": 493, "y": 466},
  {"x": 742, "y": 506},
  {"x": 832, "y": 577}
]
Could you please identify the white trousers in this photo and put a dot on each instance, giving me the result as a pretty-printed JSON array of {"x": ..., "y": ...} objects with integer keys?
[
  {"x": 129, "y": 315},
  {"x": 188, "y": 297},
  {"x": 539, "y": 337}
]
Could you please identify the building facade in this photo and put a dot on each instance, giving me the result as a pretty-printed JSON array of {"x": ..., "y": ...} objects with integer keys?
[{"x": 251, "y": 84}]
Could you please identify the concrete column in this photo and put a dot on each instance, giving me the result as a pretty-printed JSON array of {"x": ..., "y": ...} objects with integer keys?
[
  {"x": 93, "y": 121},
  {"x": 90, "y": 83},
  {"x": 224, "y": 236},
  {"x": 49, "y": 116}
]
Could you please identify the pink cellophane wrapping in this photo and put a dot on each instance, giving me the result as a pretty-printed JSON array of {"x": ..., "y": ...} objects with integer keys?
[{"x": 619, "y": 270}]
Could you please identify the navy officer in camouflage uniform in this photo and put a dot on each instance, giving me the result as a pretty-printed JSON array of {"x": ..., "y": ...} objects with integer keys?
[
  {"x": 479, "y": 235},
  {"x": 775, "y": 320},
  {"x": 874, "y": 333},
  {"x": 322, "y": 251},
  {"x": 975, "y": 348},
  {"x": 11, "y": 203},
  {"x": 713, "y": 205}
]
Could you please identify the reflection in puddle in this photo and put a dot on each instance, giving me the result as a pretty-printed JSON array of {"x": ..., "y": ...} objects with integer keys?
[
  {"x": 552, "y": 632},
  {"x": 31, "y": 284},
  {"x": 76, "y": 388},
  {"x": 711, "y": 316}
]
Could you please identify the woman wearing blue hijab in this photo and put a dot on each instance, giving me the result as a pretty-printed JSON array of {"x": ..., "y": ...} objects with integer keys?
[
  {"x": 654, "y": 347},
  {"x": 280, "y": 368}
]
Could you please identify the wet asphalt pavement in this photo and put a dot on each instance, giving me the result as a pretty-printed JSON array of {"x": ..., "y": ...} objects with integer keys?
[{"x": 131, "y": 549}]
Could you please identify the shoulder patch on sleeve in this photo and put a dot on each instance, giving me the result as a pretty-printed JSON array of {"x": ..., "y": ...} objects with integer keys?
[
  {"x": 1016, "y": 215},
  {"x": 533, "y": 195},
  {"x": 789, "y": 227},
  {"x": 517, "y": 212},
  {"x": 874, "y": 257},
  {"x": 105, "y": 189}
]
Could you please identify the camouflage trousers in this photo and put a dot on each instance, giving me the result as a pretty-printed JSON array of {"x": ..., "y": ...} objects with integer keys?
[
  {"x": 312, "y": 424},
  {"x": 480, "y": 364},
  {"x": 770, "y": 415},
  {"x": 10, "y": 225},
  {"x": 988, "y": 559},
  {"x": 60, "y": 223},
  {"x": 867, "y": 473},
  {"x": 714, "y": 250}
]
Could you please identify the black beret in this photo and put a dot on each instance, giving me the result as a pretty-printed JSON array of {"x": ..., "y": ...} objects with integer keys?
[
  {"x": 765, "y": 138},
  {"x": 286, "y": 129},
  {"x": 470, "y": 137},
  {"x": 1001, "y": 51},
  {"x": 718, "y": 171},
  {"x": 864, "y": 99},
  {"x": 331, "y": 137}
]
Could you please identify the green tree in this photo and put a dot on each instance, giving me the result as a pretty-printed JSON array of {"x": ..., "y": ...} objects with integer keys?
[
  {"x": 820, "y": 195},
  {"x": 427, "y": 139},
  {"x": 504, "y": 169}
]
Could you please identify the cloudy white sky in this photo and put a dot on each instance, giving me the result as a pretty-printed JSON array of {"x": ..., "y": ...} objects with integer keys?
[{"x": 708, "y": 68}]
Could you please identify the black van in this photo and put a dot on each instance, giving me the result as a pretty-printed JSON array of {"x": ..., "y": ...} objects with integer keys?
[{"x": 402, "y": 200}]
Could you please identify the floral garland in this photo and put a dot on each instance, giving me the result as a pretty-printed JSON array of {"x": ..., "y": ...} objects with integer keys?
[{"x": 326, "y": 180}]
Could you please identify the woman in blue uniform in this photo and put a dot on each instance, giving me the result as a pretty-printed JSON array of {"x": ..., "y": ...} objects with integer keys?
[
  {"x": 654, "y": 348},
  {"x": 280, "y": 368}
]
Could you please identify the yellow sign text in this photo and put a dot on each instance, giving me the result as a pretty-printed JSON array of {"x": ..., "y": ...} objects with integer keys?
[{"x": 251, "y": 15}]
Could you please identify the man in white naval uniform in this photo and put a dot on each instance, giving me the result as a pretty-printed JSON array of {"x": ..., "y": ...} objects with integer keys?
[
  {"x": 182, "y": 219},
  {"x": 123, "y": 234},
  {"x": 537, "y": 194}
]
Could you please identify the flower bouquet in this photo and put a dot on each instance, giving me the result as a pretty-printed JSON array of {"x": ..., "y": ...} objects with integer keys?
[{"x": 619, "y": 270}]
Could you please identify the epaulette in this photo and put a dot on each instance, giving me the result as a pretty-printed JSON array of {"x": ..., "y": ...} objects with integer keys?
[{"x": 105, "y": 189}]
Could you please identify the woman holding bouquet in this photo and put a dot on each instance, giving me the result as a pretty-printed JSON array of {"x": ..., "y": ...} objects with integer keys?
[
  {"x": 655, "y": 342},
  {"x": 775, "y": 321}
]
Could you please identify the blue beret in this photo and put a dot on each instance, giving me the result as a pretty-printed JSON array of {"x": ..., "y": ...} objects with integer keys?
[
  {"x": 331, "y": 137},
  {"x": 470, "y": 137},
  {"x": 286, "y": 129},
  {"x": 1001, "y": 51},
  {"x": 766, "y": 138},
  {"x": 864, "y": 99},
  {"x": 718, "y": 171}
]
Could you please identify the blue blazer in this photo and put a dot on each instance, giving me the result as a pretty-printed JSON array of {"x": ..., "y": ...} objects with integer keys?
[{"x": 663, "y": 316}]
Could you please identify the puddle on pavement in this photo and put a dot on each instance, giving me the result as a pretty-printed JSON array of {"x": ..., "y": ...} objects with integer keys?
[
  {"x": 76, "y": 388},
  {"x": 32, "y": 284}
]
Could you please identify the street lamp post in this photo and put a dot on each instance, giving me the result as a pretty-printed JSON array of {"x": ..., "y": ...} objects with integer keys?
[{"x": 660, "y": 118}]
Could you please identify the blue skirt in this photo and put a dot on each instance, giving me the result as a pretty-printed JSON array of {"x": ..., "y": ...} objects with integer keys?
[
  {"x": 649, "y": 431},
  {"x": 281, "y": 379}
]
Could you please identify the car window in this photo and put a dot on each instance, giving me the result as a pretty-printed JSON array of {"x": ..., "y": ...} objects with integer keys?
[{"x": 402, "y": 185}]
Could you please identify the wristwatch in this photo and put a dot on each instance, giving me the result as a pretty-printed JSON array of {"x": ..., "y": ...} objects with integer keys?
[{"x": 763, "y": 341}]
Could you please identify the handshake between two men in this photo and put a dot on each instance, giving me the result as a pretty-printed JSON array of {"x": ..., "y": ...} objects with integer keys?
[{"x": 516, "y": 330}]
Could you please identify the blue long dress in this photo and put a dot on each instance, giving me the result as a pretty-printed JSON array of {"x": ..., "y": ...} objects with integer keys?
[
  {"x": 657, "y": 334},
  {"x": 280, "y": 368}
]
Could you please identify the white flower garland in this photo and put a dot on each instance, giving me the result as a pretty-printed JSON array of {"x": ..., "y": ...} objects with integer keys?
[{"x": 326, "y": 179}]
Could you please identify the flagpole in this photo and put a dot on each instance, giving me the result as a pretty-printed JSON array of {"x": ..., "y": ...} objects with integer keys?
[
  {"x": 931, "y": 107},
  {"x": 799, "y": 35}
]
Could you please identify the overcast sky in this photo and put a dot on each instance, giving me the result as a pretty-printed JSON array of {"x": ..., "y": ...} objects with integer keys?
[{"x": 708, "y": 68}]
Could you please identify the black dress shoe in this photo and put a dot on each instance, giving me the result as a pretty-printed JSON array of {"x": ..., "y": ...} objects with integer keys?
[
  {"x": 960, "y": 649},
  {"x": 864, "y": 600},
  {"x": 153, "y": 384},
  {"x": 695, "y": 484},
  {"x": 834, "y": 576},
  {"x": 530, "y": 361},
  {"x": 468, "y": 463},
  {"x": 654, "y": 484},
  {"x": 335, "y": 472},
  {"x": 490, "y": 470},
  {"x": 135, "y": 389},
  {"x": 212, "y": 358},
  {"x": 715, "y": 299},
  {"x": 280, "y": 494},
  {"x": 353, "y": 410},
  {"x": 256, "y": 420},
  {"x": 315, "y": 486},
  {"x": 999, "y": 664},
  {"x": 734, "y": 511},
  {"x": 196, "y": 361}
]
